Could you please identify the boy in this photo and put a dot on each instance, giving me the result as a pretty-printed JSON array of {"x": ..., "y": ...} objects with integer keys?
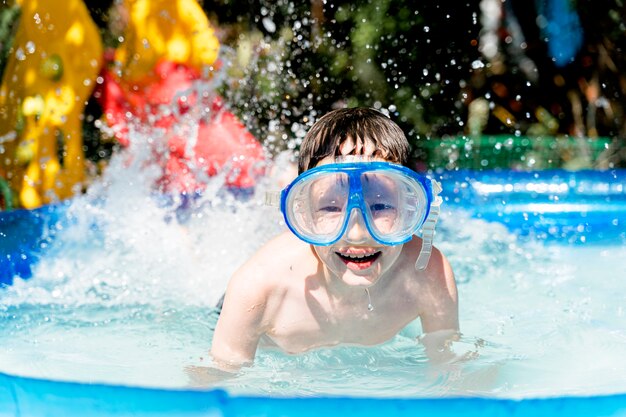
[{"x": 350, "y": 271}]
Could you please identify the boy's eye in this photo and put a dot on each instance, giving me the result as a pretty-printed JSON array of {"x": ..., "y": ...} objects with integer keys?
[
  {"x": 330, "y": 209},
  {"x": 381, "y": 207}
]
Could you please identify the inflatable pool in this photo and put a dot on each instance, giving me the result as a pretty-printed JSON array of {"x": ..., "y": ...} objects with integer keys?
[
  {"x": 29, "y": 397},
  {"x": 557, "y": 208}
]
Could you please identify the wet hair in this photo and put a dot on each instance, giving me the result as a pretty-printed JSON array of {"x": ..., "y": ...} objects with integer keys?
[{"x": 362, "y": 125}]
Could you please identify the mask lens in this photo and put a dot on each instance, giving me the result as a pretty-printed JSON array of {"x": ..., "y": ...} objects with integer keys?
[
  {"x": 393, "y": 201},
  {"x": 317, "y": 206},
  {"x": 395, "y": 204}
]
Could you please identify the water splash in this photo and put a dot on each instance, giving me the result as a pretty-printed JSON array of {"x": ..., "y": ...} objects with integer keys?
[{"x": 123, "y": 242}]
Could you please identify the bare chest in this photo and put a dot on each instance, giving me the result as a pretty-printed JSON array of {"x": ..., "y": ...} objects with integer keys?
[{"x": 301, "y": 328}]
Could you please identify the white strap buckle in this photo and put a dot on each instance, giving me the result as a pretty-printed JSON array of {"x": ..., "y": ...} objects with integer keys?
[
  {"x": 272, "y": 198},
  {"x": 428, "y": 229}
]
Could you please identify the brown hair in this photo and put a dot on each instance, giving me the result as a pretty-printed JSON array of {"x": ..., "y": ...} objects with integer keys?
[{"x": 361, "y": 124}]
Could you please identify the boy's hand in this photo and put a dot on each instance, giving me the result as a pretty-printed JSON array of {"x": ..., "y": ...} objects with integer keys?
[{"x": 438, "y": 345}]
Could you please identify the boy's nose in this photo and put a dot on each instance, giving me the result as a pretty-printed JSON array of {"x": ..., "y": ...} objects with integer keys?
[{"x": 357, "y": 231}]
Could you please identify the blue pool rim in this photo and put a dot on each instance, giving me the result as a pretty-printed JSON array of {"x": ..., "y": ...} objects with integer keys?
[
  {"x": 592, "y": 205},
  {"x": 36, "y": 397}
]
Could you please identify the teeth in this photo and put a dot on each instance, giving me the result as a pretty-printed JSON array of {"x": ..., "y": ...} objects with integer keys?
[{"x": 354, "y": 256}]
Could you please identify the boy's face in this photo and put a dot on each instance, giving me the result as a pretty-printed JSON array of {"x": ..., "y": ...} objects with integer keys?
[{"x": 356, "y": 258}]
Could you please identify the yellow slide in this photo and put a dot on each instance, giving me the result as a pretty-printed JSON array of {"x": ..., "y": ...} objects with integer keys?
[
  {"x": 164, "y": 30},
  {"x": 52, "y": 69}
]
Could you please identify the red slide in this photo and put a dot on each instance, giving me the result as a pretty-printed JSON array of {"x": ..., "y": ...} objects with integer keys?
[{"x": 222, "y": 142}]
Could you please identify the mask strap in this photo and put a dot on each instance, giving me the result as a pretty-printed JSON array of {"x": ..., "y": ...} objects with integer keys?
[
  {"x": 428, "y": 229},
  {"x": 272, "y": 198}
]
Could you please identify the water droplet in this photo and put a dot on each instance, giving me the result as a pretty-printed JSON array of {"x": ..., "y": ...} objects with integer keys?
[
  {"x": 30, "y": 47},
  {"x": 20, "y": 55},
  {"x": 269, "y": 24}
]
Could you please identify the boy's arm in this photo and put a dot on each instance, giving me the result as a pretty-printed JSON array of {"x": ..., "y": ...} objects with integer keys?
[
  {"x": 241, "y": 322},
  {"x": 440, "y": 317}
]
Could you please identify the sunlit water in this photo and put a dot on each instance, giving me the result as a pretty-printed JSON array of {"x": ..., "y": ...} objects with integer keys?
[{"x": 125, "y": 295}]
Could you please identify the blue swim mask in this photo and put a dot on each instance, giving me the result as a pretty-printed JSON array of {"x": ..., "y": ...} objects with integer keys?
[{"x": 394, "y": 201}]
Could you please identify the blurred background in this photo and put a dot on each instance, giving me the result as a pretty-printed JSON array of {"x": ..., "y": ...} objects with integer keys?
[{"x": 482, "y": 84}]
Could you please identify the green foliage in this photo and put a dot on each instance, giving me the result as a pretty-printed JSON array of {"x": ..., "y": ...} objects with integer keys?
[
  {"x": 407, "y": 60},
  {"x": 9, "y": 16},
  {"x": 420, "y": 63}
]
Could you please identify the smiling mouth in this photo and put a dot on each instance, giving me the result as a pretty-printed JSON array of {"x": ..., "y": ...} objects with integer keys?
[{"x": 359, "y": 260}]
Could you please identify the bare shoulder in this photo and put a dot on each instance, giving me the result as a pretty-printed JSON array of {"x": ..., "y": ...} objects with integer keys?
[
  {"x": 275, "y": 256},
  {"x": 270, "y": 268},
  {"x": 438, "y": 273},
  {"x": 253, "y": 298},
  {"x": 436, "y": 290}
]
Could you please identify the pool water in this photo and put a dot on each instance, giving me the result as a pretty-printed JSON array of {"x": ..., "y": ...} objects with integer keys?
[{"x": 124, "y": 294}]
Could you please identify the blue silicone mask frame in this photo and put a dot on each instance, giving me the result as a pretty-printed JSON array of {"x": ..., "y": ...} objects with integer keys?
[{"x": 354, "y": 170}]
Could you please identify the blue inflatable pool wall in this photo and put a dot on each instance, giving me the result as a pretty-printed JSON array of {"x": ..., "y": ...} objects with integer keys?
[
  {"x": 24, "y": 234},
  {"x": 31, "y": 397},
  {"x": 571, "y": 207}
]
